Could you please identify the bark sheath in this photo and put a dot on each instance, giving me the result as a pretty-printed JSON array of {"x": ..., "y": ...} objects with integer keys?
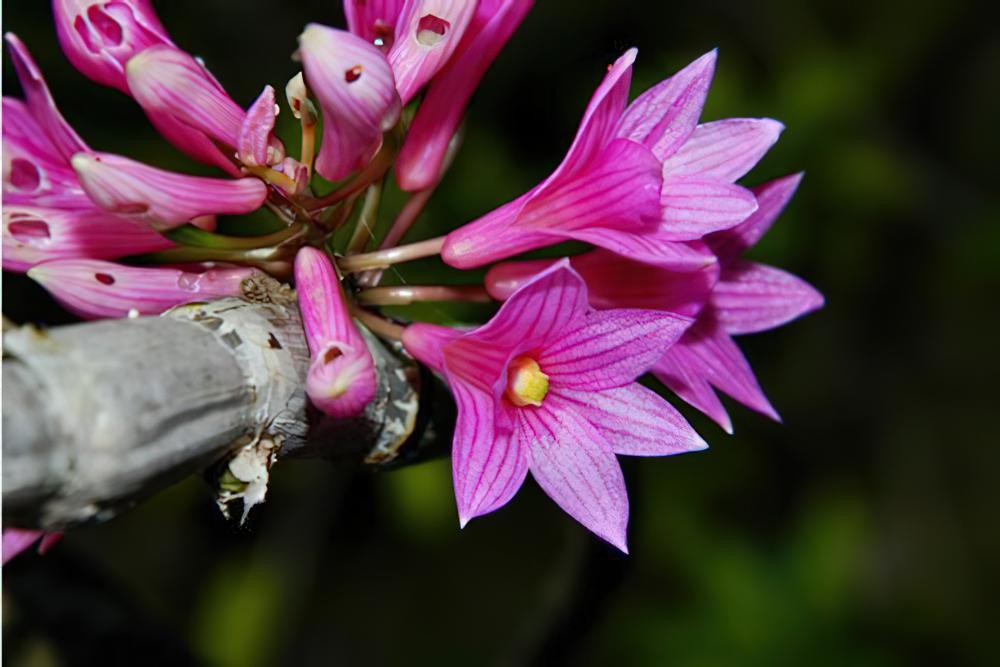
[{"x": 98, "y": 416}]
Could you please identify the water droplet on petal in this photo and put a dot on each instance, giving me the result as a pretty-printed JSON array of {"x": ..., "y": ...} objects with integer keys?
[{"x": 189, "y": 282}]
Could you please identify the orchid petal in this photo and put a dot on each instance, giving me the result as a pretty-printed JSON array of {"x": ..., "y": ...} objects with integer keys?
[
  {"x": 664, "y": 116},
  {"x": 636, "y": 421},
  {"x": 427, "y": 34},
  {"x": 341, "y": 380},
  {"x": 32, "y": 235},
  {"x": 421, "y": 160},
  {"x": 425, "y": 343},
  {"x": 723, "y": 150},
  {"x": 771, "y": 200},
  {"x": 754, "y": 297},
  {"x": 693, "y": 208},
  {"x": 575, "y": 467},
  {"x": 16, "y": 541},
  {"x": 488, "y": 465},
  {"x": 707, "y": 354},
  {"x": 93, "y": 288},
  {"x": 354, "y": 85},
  {"x": 609, "y": 348},
  {"x": 161, "y": 198}
]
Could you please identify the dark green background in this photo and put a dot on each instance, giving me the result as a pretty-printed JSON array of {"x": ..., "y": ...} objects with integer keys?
[{"x": 863, "y": 531}]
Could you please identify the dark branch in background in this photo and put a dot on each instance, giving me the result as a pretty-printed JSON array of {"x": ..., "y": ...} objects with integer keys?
[{"x": 99, "y": 416}]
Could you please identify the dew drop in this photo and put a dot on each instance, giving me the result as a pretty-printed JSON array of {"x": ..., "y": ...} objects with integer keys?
[{"x": 189, "y": 282}]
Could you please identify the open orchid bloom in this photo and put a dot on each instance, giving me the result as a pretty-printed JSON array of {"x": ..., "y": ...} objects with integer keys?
[
  {"x": 636, "y": 180},
  {"x": 548, "y": 386},
  {"x": 748, "y": 298},
  {"x": 341, "y": 379}
]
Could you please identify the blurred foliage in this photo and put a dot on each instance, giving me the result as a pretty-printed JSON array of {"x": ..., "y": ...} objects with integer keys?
[{"x": 861, "y": 532}]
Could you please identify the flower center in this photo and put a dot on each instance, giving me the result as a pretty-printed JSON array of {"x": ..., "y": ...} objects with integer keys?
[{"x": 526, "y": 383}]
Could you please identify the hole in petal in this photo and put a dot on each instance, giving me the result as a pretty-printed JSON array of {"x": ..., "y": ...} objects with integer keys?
[
  {"x": 384, "y": 35},
  {"x": 353, "y": 74},
  {"x": 83, "y": 30},
  {"x": 29, "y": 231},
  {"x": 132, "y": 209},
  {"x": 105, "y": 26},
  {"x": 105, "y": 278},
  {"x": 431, "y": 30},
  {"x": 24, "y": 175},
  {"x": 330, "y": 355}
]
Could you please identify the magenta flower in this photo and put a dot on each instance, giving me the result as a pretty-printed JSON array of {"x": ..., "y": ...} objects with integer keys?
[
  {"x": 616, "y": 282},
  {"x": 255, "y": 140},
  {"x": 354, "y": 85},
  {"x": 748, "y": 298},
  {"x": 94, "y": 289},
  {"x": 32, "y": 235},
  {"x": 17, "y": 540},
  {"x": 162, "y": 199},
  {"x": 421, "y": 159},
  {"x": 99, "y": 37},
  {"x": 189, "y": 107},
  {"x": 630, "y": 182},
  {"x": 341, "y": 380},
  {"x": 548, "y": 385}
]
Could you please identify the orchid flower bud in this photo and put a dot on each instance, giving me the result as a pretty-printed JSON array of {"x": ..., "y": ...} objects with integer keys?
[
  {"x": 298, "y": 99},
  {"x": 99, "y": 37},
  {"x": 427, "y": 34},
  {"x": 341, "y": 380},
  {"x": 374, "y": 20},
  {"x": 354, "y": 85},
  {"x": 421, "y": 161},
  {"x": 254, "y": 141},
  {"x": 162, "y": 199},
  {"x": 60, "y": 136},
  {"x": 32, "y": 235},
  {"x": 94, "y": 289}
]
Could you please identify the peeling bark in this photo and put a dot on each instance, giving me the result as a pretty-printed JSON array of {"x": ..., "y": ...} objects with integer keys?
[{"x": 98, "y": 416}]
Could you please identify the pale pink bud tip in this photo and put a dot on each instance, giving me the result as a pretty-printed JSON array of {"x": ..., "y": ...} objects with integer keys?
[
  {"x": 96, "y": 289},
  {"x": 341, "y": 380},
  {"x": 159, "y": 198}
]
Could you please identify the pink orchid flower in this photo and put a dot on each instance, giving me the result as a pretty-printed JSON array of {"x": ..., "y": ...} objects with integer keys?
[
  {"x": 95, "y": 289},
  {"x": 341, "y": 380},
  {"x": 548, "y": 386},
  {"x": 631, "y": 183},
  {"x": 354, "y": 85},
  {"x": 99, "y": 37},
  {"x": 748, "y": 298},
  {"x": 18, "y": 540},
  {"x": 421, "y": 159}
]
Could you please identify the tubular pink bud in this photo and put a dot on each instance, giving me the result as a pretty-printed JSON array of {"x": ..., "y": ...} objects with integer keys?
[
  {"x": 374, "y": 20},
  {"x": 421, "y": 160},
  {"x": 162, "y": 199},
  {"x": 61, "y": 137},
  {"x": 32, "y": 235},
  {"x": 354, "y": 85},
  {"x": 255, "y": 142},
  {"x": 341, "y": 380},
  {"x": 99, "y": 36},
  {"x": 427, "y": 34},
  {"x": 95, "y": 289}
]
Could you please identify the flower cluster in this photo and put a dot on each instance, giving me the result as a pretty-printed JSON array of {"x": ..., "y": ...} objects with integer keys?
[{"x": 548, "y": 385}]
